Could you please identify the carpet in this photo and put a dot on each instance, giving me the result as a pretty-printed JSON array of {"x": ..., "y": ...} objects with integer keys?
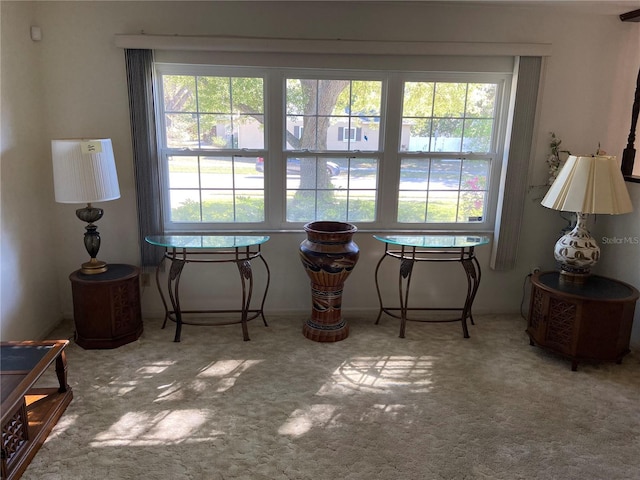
[{"x": 431, "y": 406}]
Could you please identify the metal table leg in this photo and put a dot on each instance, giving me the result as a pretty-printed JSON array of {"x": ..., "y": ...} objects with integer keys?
[
  {"x": 378, "y": 287},
  {"x": 162, "y": 297},
  {"x": 174, "y": 277},
  {"x": 244, "y": 268},
  {"x": 472, "y": 269},
  {"x": 406, "y": 269},
  {"x": 266, "y": 289}
]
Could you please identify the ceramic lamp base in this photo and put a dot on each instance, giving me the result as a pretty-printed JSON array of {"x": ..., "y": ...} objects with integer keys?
[{"x": 577, "y": 252}]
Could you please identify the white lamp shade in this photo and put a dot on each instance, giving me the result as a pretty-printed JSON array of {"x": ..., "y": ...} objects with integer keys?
[
  {"x": 84, "y": 171},
  {"x": 589, "y": 184}
]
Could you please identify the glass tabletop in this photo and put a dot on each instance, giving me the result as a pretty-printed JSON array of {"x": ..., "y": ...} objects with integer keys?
[
  {"x": 22, "y": 357},
  {"x": 206, "y": 241},
  {"x": 434, "y": 241}
]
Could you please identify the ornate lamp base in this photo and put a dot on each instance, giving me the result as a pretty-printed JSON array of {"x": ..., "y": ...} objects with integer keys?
[
  {"x": 578, "y": 278},
  {"x": 93, "y": 266},
  {"x": 577, "y": 252},
  {"x": 91, "y": 214}
]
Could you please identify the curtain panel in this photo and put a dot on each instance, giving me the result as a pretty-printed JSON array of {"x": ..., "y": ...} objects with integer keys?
[
  {"x": 139, "y": 66},
  {"x": 506, "y": 236}
]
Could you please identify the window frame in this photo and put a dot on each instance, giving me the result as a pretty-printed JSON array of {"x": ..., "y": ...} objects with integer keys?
[{"x": 387, "y": 184}]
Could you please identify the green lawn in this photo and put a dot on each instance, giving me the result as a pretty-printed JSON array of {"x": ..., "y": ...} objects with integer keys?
[{"x": 300, "y": 208}]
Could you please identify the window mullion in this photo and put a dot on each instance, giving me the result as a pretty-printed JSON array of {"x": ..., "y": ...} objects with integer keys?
[
  {"x": 274, "y": 177},
  {"x": 389, "y": 173}
]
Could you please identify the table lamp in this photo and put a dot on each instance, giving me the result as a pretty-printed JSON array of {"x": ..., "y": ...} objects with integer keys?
[
  {"x": 84, "y": 171},
  {"x": 585, "y": 185}
]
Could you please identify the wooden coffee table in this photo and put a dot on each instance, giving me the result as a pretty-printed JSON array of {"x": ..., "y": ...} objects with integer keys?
[{"x": 29, "y": 414}]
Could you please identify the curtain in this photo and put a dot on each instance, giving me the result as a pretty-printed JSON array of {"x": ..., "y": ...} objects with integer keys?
[
  {"x": 512, "y": 195},
  {"x": 139, "y": 65}
]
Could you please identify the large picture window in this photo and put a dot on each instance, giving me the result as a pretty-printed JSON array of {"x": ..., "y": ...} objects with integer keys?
[{"x": 270, "y": 149}]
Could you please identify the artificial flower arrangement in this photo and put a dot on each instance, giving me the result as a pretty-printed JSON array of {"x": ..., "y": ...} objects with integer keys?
[{"x": 554, "y": 160}]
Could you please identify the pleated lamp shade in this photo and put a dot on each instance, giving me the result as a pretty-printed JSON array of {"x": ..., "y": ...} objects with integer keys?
[
  {"x": 84, "y": 171},
  {"x": 589, "y": 184}
]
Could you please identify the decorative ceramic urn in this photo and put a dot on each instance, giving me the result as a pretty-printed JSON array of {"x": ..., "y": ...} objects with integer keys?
[{"x": 328, "y": 256}]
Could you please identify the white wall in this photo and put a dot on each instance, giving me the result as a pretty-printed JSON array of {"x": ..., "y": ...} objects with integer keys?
[
  {"x": 587, "y": 93},
  {"x": 619, "y": 240},
  {"x": 29, "y": 292}
]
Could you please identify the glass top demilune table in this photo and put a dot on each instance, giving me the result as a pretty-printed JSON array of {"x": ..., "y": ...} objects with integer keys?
[
  {"x": 210, "y": 248},
  {"x": 409, "y": 249}
]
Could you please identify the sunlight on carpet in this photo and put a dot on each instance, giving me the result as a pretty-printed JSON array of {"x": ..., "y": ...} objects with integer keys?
[
  {"x": 303, "y": 420},
  {"x": 166, "y": 427},
  {"x": 383, "y": 373}
]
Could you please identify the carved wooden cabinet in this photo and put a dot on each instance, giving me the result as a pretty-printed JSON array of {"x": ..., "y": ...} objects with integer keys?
[
  {"x": 589, "y": 322},
  {"x": 106, "y": 307}
]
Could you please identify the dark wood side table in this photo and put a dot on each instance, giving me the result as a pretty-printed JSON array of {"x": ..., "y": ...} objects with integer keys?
[
  {"x": 589, "y": 322},
  {"x": 106, "y": 307}
]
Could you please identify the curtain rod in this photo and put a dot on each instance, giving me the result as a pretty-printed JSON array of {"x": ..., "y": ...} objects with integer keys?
[{"x": 334, "y": 46}]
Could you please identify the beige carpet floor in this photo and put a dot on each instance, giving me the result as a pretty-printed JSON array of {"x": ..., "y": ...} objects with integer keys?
[{"x": 374, "y": 406}]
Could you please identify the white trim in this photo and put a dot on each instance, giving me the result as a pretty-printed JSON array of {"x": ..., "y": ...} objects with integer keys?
[{"x": 319, "y": 46}]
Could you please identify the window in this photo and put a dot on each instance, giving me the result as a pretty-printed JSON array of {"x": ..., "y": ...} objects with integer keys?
[
  {"x": 346, "y": 134},
  {"x": 447, "y": 132},
  {"x": 208, "y": 122},
  {"x": 336, "y": 181},
  {"x": 385, "y": 150}
]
